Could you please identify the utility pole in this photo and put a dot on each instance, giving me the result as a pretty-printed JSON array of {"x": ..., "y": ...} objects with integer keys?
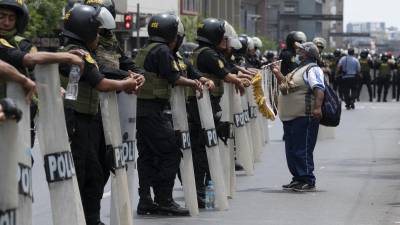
[{"x": 138, "y": 26}]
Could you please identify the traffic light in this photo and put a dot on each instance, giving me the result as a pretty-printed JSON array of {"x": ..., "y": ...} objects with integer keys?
[{"x": 128, "y": 21}]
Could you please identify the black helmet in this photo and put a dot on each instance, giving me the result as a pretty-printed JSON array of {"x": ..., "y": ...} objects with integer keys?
[
  {"x": 108, "y": 4},
  {"x": 269, "y": 55},
  {"x": 21, "y": 10},
  {"x": 211, "y": 31},
  {"x": 82, "y": 22},
  {"x": 337, "y": 53},
  {"x": 364, "y": 53},
  {"x": 245, "y": 44},
  {"x": 295, "y": 36},
  {"x": 163, "y": 27}
]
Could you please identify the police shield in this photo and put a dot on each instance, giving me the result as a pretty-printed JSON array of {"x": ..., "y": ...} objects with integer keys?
[
  {"x": 213, "y": 155},
  {"x": 226, "y": 145},
  {"x": 119, "y": 184},
  {"x": 181, "y": 127},
  {"x": 53, "y": 141},
  {"x": 127, "y": 116},
  {"x": 245, "y": 107},
  {"x": 9, "y": 151},
  {"x": 243, "y": 151},
  {"x": 24, "y": 172},
  {"x": 256, "y": 138}
]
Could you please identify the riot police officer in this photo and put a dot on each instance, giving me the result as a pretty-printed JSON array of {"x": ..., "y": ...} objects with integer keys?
[
  {"x": 288, "y": 55},
  {"x": 366, "y": 66},
  {"x": 12, "y": 25},
  {"x": 159, "y": 154},
  {"x": 384, "y": 76},
  {"x": 209, "y": 59},
  {"x": 84, "y": 124}
]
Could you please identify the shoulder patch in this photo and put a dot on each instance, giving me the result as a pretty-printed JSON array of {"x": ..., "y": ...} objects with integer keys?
[
  {"x": 221, "y": 64},
  {"x": 89, "y": 59},
  {"x": 5, "y": 43},
  {"x": 33, "y": 49}
]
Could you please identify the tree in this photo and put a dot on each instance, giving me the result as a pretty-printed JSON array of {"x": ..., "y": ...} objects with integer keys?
[{"x": 45, "y": 17}]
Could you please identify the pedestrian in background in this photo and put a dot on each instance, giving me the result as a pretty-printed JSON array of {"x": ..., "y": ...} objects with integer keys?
[
  {"x": 350, "y": 68},
  {"x": 299, "y": 106}
]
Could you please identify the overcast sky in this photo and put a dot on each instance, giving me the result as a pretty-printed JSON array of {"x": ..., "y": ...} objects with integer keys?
[{"x": 372, "y": 11}]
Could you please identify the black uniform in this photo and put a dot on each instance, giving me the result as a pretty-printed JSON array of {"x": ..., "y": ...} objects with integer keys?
[
  {"x": 288, "y": 64},
  {"x": 159, "y": 154},
  {"x": 85, "y": 131},
  {"x": 209, "y": 61},
  {"x": 366, "y": 66}
]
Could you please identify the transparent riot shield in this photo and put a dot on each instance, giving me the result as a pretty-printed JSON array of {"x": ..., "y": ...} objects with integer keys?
[
  {"x": 121, "y": 211},
  {"x": 181, "y": 127},
  {"x": 213, "y": 154},
  {"x": 54, "y": 146}
]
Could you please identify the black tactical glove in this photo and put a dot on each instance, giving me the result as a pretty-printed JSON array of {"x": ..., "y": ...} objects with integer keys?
[
  {"x": 10, "y": 109},
  {"x": 223, "y": 131},
  {"x": 110, "y": 159}
]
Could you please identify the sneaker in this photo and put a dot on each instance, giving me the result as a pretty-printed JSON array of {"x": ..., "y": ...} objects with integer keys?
[
  {"x": 290, "y": 186},
  {"x": 303, "y": 187}
]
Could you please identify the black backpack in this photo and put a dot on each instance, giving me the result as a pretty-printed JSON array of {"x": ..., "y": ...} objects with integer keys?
[{"x": 331, "y": 106}]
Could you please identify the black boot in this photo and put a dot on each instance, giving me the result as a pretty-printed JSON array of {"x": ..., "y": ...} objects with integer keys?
[
  {"x": 201, "y": 198},
  {"x": 166, "y": 204},
  {"x": 170, "y": 208},
  {"x": 146, "y": 205}
]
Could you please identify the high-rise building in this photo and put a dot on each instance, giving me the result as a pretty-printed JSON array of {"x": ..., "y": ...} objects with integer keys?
[
  {"x": 333, "y": 7},
  {"x": 282, "y": 17}
]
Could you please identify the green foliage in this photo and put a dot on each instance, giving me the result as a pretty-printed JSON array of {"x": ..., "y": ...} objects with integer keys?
[
  {"x": 45, "y": 17},
  {"x": 268, "y": 44},
  {"x": 190, "y": 24}
]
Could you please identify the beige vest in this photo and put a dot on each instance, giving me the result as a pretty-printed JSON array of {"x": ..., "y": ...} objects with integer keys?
[{"x": 297, "y": 99}]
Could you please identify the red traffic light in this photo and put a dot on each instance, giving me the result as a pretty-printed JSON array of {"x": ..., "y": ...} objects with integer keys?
[
  {"x": 128, "y": 18},
  {"x": 128, "y": 21}
]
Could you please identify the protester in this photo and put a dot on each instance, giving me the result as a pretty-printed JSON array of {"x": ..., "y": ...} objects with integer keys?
[{"x": 300, "y": 111}]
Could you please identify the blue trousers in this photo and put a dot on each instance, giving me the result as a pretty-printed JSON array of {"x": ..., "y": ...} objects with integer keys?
[{"x": 300, "y": 139}]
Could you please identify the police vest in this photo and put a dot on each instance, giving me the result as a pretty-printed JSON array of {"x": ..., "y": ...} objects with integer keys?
[
  {"x": 88, "y": 100},
  {"x": 155, "y": 87},
  {"x": 219, "y": 84},
  {"x": 364, "y": 63},
  {"x": 12, "y": 44},
  {"x": 384, "y": 70}
]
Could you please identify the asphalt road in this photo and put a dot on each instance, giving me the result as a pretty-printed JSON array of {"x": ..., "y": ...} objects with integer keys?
[{"x": 358, "y": 180}]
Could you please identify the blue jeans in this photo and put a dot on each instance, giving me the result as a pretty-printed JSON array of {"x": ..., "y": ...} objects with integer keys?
[{"x": 300, "y": 139}]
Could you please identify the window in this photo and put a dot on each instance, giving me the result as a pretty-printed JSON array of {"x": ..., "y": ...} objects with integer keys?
[
  {"x": 189, "y": 7},
  {"x": 290, "y": 7}
]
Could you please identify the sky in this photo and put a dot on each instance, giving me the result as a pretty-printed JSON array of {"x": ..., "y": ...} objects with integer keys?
[{"x": 372, "y": 11}]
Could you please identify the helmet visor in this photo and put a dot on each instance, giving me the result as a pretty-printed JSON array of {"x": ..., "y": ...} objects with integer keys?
[
  {"x": 235, "y": 43},
  {"x": 106, "y": 19}
]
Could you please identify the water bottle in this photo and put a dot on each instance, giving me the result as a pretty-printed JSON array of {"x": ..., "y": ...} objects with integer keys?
[
  {"x": 210, "y": 196},
  {"x": 72, "y": 88}
]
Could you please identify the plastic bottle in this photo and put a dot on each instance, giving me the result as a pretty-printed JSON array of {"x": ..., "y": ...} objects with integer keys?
[
  {"x": 73, "y": 83},
  {"x": 210, "y": 196}
]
